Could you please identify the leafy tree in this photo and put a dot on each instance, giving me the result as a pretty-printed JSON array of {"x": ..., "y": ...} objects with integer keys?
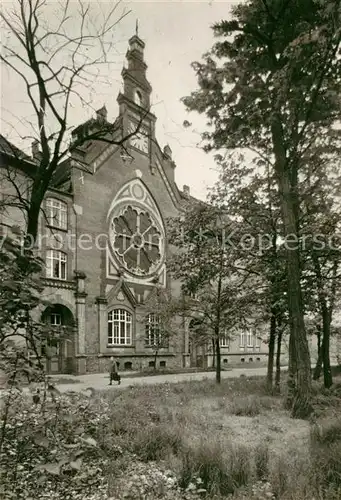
[
  {"x": 254, "y": 205},
  {"x": 207, "y": 266},
  {"x": 271, "y": 84},
  {"x": 20, "y": 289},
  {"x": 161, "y": 320},
  {"x": 320, "y": 227}
]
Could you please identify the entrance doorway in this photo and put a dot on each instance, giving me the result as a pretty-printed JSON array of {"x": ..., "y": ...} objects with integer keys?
[
  {"x": 58, "y": 346},
  {"x": 197, "y": 344}
]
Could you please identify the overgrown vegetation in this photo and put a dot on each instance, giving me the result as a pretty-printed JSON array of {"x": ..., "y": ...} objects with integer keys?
[{"x": 174, "y": 441}]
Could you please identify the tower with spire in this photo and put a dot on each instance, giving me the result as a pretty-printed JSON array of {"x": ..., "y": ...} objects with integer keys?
[{"x": 136, "y": 87}]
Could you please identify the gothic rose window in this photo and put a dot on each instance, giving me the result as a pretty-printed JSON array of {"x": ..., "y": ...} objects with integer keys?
[{"x": 136, "y": 240}]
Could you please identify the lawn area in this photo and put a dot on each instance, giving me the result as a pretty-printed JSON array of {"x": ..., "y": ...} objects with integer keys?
[{"x": 184, "y": 441}]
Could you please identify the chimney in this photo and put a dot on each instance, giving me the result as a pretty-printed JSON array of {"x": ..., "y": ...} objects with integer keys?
[
  {"x": 36, "y": 154},
  {"x": 186, "y": 190},
  {"x": 167, "y": 152}
]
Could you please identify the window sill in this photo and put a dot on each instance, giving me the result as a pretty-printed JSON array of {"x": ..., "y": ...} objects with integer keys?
[
  {"x": 156, "y": 347},
  {"x": 111, "y": 346},
  {"x": 55, "y": 279}
]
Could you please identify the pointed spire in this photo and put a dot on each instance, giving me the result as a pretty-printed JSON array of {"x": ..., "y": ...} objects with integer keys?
[{"x": 137, "y": 28}]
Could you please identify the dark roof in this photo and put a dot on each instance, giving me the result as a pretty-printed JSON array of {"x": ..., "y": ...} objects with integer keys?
[
  {"x": 7, "y": 148},
  {"x": 61, "y": 178},
  {"x": 18, "y": 159}
]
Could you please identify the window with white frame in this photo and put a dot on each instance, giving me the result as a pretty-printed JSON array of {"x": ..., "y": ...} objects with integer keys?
[
  {"x": 224, "y": 340},
  {"x": 56, "y": 213},
  {"x": 154, "y": 335},
  {"x": 257, "y": 341},
  {"x": 55, "y": 319},
  {"x": 56, "y": 264},
  {"x": 249, "y": 338},
  {"x": 242, "y": 339},
  {"x": 119, "y": 327}
]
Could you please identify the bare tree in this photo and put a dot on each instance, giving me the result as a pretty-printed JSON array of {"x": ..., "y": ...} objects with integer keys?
[{"x": 58, "y": 50}]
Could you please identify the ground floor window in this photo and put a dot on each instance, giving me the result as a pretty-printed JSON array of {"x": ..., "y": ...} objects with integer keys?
[
  {"x": 119, "y": 327},
  {"x": 155, "y": 336}
]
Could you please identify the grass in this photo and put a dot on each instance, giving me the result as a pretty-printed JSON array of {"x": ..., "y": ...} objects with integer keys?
[
  {"x": 232, "y": 440},
  {"x": 234, "y": 436}
]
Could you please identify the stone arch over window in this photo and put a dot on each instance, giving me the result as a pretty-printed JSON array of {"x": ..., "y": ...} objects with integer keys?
[
  {"x": 128, "y": 365},
  {"x": 57, "y": 345},
  {"x": 136, "y": 232},
  {"x": 120, "y": 327},
  {"x": 58, "y": 315}
]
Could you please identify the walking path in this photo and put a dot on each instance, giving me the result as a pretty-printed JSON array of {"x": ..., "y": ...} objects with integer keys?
[{"x": 100, "y": 381}]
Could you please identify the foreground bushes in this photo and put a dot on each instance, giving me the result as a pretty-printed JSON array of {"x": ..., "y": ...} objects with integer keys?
[{"x": 149, "y": 443}]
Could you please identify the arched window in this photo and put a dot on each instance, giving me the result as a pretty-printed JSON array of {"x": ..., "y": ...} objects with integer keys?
[
  {"x": 138, "y": 98},
  {"x": 119, "y": 327},
  {"x": 56, "y": 213},
  {"x": 56, "y": 264}
]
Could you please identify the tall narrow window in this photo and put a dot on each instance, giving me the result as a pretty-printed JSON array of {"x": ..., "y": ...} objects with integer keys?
[
  {"x": 56, "y": 213},
  {"x": 154, "y": 337},
  {"x": 224, "y": 340},
  {"x": 56, "y": 264},
  {"x": 119, "y": 327},
  {"x": 242, "y": 339},
  {"x": 138, "y": 98},
  {"x": 249, "y": 338},
  {"x": 56, "y": 319}
]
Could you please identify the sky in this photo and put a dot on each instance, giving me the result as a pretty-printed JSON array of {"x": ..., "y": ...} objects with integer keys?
[{"x": 176, "y": 33}]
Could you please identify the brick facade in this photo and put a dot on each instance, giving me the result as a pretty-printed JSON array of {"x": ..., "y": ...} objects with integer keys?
[{"x": 97, "y": 187}]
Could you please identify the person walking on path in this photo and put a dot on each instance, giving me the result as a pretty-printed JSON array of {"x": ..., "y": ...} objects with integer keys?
[{"x": 113, "y": 374}]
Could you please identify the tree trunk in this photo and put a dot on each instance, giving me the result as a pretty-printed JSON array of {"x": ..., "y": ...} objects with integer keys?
[
  {"x": 213, "y": 353},
  {"x": 286, "y": 176},
  {"x": 318, "y": 340},
  {"x": 319, "y": 363},
  {"x": 33, "y": 216},
  {"x": 218, "y": 365},
  {"x": 272, "y": 340},
  {"x": 278, "y": 360},
  {"x": 326, "y": 320},
  {"x": 291, "y": 375},
  {"x": 155, "y": 358},
  {"x": 327, "y": 372}
]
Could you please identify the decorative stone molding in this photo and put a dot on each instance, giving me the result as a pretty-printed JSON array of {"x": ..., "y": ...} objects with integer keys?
[
  {"x": 53, "y": 283},
  {"x": 101, "y": 300},
  {"x": 80, "y": 275}
]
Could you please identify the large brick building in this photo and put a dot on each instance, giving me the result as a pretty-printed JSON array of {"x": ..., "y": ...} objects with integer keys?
[{"x": 104, "y": 242}]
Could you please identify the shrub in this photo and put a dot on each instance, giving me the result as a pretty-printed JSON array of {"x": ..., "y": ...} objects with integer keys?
[
  {"x": 220, "y": 471},
  {"x": 262, "y": 462},
  {"x": 155, "y": 442},
  {"x": 49, "y": 448},
  {"x": 326, "y": 453},
  {"x": 247, "y": 407}
]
